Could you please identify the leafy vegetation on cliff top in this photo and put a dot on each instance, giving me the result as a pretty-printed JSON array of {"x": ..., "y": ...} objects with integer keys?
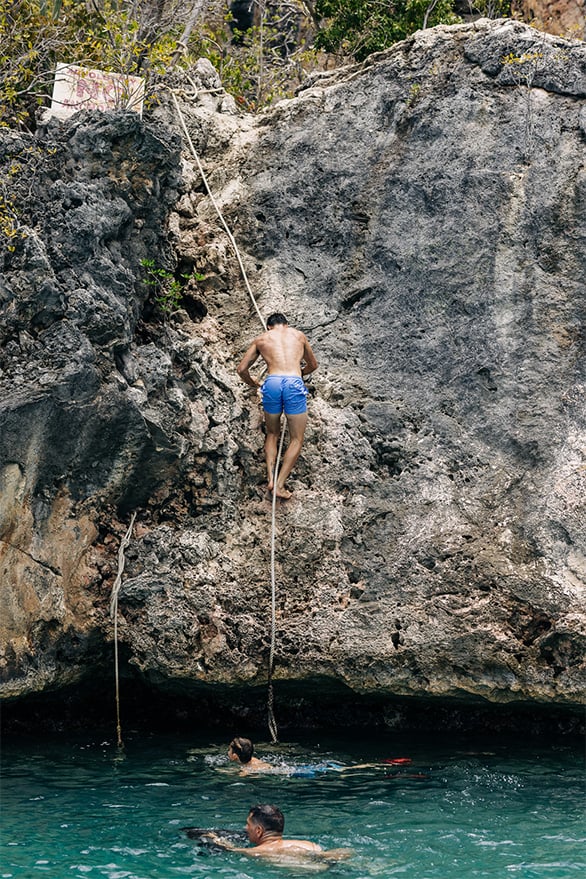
[
  {"x": 355, "y": 28},
  {"x": 262, "y": 49}
]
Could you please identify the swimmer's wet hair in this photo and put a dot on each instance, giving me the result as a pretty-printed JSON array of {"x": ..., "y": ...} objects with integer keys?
[
  {"x": 243, "y": 748},
  {"x": 269, "y": 817},
  {"x": 276, "y": 318}
]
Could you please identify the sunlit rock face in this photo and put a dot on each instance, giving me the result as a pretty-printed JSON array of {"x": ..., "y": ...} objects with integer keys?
[
  {"x": 421, "y": 218},
  {"x": 566, "y": 18}
]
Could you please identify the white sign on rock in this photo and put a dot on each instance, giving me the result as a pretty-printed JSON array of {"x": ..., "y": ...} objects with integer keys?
[{"x": 79, "y": 88}]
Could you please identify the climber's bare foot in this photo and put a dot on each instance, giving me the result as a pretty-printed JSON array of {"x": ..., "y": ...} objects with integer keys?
[
  {"x": 270, "y": 486},
  {"x": 283, "y": 493}
]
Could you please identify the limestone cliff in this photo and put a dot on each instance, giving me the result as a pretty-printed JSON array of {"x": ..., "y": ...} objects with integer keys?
[
  {"x": 564, "y": 17},
  {"x": 421, "y": 218}
]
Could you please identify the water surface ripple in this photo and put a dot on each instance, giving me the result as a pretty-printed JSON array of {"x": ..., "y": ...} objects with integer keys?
[{"x": 76, "y": 808}]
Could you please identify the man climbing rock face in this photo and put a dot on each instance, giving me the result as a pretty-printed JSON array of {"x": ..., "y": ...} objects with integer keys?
[{"x": 288, "y": 357}]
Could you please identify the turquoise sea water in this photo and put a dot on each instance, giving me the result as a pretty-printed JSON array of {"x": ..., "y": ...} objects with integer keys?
[{"x": 76, "y": 808}]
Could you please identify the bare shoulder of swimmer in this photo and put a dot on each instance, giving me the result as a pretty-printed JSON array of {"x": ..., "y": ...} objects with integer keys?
[
  {"x": 337, "y": 854},
  {"x": 256, "y": 765},
  {"x": 299, "y": 851},
  {"x": 301, "y": 845}
]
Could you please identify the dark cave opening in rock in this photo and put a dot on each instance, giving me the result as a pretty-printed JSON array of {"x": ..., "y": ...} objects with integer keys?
[{"x": 318, "y": 705}]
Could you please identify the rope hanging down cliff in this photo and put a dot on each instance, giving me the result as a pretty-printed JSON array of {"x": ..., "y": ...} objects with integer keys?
[
  {"x": 272, "y": 724},
  {"x": 114, "y": 614}
]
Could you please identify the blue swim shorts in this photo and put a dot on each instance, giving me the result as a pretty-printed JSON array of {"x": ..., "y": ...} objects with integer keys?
[{"x": 284, "y": 393}]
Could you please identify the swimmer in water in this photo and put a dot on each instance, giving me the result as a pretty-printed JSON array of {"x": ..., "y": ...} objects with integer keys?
[
  {"x": 264, "y": 828},
  {"x": 241, "y": 751}
]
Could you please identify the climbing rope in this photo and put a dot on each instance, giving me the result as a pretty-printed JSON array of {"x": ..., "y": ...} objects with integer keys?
[
  {"x": 216, "y": 207},
  {"x": 272, "y": 724},
  {"x": 114, "y": 616},
  {"x": 270, "y": 698}
]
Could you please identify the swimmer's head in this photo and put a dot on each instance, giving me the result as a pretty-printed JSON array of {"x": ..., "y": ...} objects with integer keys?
[
  {"x": 266, "y": 818},
  {"x": 277, "y": 318},
  {"x": 241, "y": 749}
]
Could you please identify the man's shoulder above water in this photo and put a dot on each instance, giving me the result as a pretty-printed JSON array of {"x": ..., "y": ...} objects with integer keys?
[
  {"x": 286, "y": 845},
  {"x": 256, "y": 765}
]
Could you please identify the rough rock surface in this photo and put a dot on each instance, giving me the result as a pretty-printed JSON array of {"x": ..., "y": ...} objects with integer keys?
[
  {"x": 566, "y": 18},
  {"x": 421, "y": 218}
]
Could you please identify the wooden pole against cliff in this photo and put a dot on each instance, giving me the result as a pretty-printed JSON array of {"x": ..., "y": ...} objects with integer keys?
[
  {"x": 196, "y": 11},
  {"x": 261, "y": 34},
  {"x": 114, "y": 615}
]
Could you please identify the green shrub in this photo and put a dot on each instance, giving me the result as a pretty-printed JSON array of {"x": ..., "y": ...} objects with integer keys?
[
  {"x": 167, "y": 288},
  {"x": 37, "y": 34},
  {"x": 356, "y": 28}
]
